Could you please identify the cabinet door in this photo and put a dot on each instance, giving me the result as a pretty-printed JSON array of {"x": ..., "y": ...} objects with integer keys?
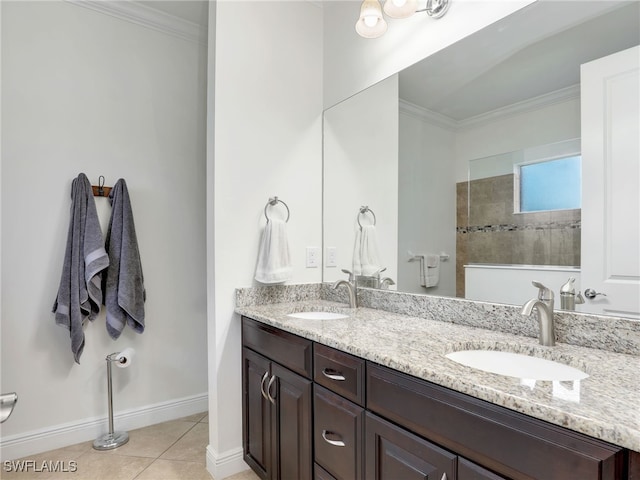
[
  {"x": 256, "y": 412},
  {"x": 293, "y": 397},
  {"x": 470, "y": 471},
  {"x": 393, "y": 453}
]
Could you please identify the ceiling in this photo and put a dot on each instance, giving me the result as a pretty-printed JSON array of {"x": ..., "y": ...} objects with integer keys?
[{"x": 532, "y": 52}]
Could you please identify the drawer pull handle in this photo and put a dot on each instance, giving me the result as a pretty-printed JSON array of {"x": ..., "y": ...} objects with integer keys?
[
  {"x": 264, "y": 379},
  {"x": 336, "y": 443},
  {"x": 271, "y": 398},
  {"x": 333, "y": 374}
]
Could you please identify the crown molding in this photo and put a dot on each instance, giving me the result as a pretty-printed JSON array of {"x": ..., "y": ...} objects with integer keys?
[
  {"x": 535, "y": 103},
  {"x": 148, "y": 17},
  {"x": 427, "y": 115}
]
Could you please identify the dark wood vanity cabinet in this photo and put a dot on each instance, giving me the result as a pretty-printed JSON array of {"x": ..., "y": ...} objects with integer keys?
[
  {"x": 311, "y": 411},
  {"x": 277, "y": 403},
  {"x": 505, "y": 442}
]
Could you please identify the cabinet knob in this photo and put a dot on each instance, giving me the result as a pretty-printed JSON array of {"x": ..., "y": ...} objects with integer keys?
[
  {"x": 444, "y": 476},
  {"x": 333, "y": 374},
  {"x": 264, "y": 379},
  {"x": 336, "y": 443}
]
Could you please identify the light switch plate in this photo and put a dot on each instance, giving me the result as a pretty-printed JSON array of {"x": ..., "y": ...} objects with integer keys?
[{"x": 332, "y": 257}]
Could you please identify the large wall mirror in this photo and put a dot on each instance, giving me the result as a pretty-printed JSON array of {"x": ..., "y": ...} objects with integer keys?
[{"x": 427, "y": 173}]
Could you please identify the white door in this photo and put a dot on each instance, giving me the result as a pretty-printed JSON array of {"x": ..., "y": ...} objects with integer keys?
[{"x": 610, "y": 254}]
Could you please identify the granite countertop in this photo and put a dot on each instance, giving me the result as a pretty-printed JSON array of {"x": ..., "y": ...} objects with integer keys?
[{"x": 606, "y": 405}]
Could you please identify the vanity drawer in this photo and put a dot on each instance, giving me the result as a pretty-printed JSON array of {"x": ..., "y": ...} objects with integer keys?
[
  {"x": 288, "y": 350},
  {"x": 339, "y": 372},
  {"x": 338, "y": 435}
]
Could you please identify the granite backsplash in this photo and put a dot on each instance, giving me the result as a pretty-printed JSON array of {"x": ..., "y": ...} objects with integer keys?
[{"x": 614, "y": 334}]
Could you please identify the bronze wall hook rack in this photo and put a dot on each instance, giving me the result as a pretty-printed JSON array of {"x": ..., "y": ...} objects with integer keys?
[{"x": 100, "y": 190}]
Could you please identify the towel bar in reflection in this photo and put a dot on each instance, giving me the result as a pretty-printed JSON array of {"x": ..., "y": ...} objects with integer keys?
[{"x": 363, "y": 211}]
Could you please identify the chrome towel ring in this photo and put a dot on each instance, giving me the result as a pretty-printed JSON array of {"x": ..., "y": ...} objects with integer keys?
[
  {"x": 273, "y": 201},
  {"x": 363, "y": 210}
]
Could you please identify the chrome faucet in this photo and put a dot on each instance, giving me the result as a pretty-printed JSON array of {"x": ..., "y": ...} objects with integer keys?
[
  {"x": 385, "y": 282},
  {"x": 353, "y": 300},
  {"x": 544, "y": 311}
]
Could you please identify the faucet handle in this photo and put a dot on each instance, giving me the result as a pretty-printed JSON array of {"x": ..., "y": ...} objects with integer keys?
[
  {"x": 544, "y": 293},
  {"x": 351, "y": 276}
]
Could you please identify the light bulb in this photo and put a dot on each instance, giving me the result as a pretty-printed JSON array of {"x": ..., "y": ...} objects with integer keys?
[
  {"x": 400, "y": 8},
  {"x": 371, "y": 24},
  {"x": 370, "y": 20}
]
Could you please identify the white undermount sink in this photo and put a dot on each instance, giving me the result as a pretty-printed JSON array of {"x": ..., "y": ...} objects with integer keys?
[
  {"x": 517, "y": 365},
  {"x": 318, "y": 315}
]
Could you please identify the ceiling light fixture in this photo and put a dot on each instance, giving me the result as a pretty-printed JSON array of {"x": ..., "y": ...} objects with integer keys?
[{"x": 371, "y": 23}]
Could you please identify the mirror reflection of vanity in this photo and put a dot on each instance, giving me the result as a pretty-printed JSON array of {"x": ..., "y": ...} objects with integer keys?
[{"x": 425, "y": 150}]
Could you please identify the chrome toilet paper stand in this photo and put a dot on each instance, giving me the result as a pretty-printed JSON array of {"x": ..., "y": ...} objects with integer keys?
[{"x": 112, "y": 439}]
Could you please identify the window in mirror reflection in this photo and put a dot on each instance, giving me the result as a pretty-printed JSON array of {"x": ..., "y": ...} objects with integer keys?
[{"x": 548, "y": 185}]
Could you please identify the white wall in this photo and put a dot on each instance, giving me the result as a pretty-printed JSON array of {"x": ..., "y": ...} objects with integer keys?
[
  {"x": 353, "y": 63},
  {"x": 361, "y": 168},
  {"x": 267, "y": 141},
  {"x": 87, "y": 92},
  {"x": 427, "y": 201}
]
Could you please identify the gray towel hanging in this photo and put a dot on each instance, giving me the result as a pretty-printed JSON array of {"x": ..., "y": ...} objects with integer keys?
[
  {"x": 123, "y": 283},
  {"x": 79, "y": 294}
]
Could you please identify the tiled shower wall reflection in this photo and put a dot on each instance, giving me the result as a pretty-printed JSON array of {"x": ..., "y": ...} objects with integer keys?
[{"x": 489, "y": 232}]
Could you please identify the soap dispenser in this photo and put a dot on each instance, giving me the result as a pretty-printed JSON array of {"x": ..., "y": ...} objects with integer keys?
[{"x": 568, "y": 295}]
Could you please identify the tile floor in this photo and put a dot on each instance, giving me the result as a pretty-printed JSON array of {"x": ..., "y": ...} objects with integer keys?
[{"x": 173, "y": 450}]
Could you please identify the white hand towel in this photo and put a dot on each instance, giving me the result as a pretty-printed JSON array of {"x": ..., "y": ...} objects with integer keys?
[
  {"x": 357, "y": 254},
  {"x": 274, "y": 260},
  {"x": 366, "y": 256},
  {"x": 431, "y": 270}
]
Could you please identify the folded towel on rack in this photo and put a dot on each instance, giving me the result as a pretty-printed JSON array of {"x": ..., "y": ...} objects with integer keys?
[
  {"x": 123, "y": 283},
  {"x": 274, "y": 259},
  {"x": 79, "y": 294},
  {"x": 431, "y": 270},
  {"x": 366, "y": 256}
]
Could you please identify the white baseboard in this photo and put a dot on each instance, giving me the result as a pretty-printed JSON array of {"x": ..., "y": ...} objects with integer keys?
[
  {"x": 58, "y": 436},
  {"x": 225, "y": 464}
]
